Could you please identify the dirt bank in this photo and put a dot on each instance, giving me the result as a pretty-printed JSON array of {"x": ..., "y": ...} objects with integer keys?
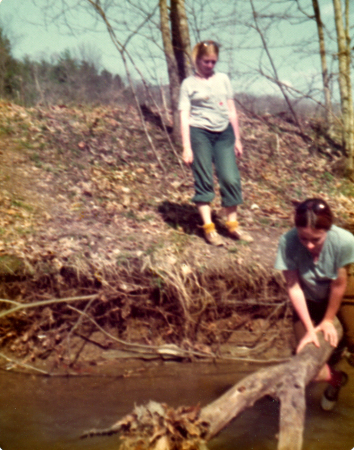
[{"x": 102, "y": 233}]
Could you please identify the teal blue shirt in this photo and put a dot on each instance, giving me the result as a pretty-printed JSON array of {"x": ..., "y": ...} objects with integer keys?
[{"x": 316, "y": 277}]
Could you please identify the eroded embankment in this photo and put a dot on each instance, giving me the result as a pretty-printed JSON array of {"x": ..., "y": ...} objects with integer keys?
[
  {"x": 146, "y": 309},
  {"x": 101, "y": 251}
]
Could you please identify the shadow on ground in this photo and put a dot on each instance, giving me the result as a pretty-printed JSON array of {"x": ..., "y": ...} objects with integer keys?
[{"x": 186, "y": 216}]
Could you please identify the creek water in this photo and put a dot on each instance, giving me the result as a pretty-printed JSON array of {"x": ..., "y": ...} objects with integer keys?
[{"x": 50, "y": 413}]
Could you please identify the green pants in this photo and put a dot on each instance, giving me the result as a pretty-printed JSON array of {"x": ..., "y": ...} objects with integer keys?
[{"x": 215, "y": 148}]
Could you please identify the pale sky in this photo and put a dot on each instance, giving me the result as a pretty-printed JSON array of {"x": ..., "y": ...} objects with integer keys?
[{"x": 24, "y": 23}]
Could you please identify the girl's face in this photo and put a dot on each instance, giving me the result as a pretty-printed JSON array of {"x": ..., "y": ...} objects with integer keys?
[
  {"x": 312, "y": 239},
  {"x": 206, "y": 64}
]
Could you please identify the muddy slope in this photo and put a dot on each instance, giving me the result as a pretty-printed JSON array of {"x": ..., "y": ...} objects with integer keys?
[{"x": 98, "y": 225}]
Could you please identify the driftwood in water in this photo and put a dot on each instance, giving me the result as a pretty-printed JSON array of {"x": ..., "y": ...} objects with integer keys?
[{"x": 160, "y": 427}]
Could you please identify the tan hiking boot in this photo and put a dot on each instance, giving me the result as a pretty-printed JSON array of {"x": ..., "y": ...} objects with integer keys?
[
  {"x": 211, "y": 235},
  {"x": 237, "y": 233}
]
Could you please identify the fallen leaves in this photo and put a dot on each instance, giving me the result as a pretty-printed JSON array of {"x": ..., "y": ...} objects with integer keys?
[
  {"x": 82, "y": 200},
  {"x": 157, "y": 425}
]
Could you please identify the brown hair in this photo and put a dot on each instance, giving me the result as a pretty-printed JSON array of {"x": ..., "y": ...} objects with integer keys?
[
  {"x": 204, "y": 48},
  {"x": 314, "y": 213}
]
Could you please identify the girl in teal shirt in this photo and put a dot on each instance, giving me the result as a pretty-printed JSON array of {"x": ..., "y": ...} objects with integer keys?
[{"x": 314, "y": 257}]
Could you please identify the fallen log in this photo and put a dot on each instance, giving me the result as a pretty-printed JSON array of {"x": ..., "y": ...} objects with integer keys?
[
  {"x": 159, "y": 427},
  {"x": 286, "y": 382}
]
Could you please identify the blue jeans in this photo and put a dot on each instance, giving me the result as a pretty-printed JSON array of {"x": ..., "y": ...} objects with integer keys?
[{"x": 215, "y": 148}]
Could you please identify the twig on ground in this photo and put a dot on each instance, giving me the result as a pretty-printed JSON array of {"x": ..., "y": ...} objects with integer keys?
[
  {"x": 79, "y": 320},
  {"x": 21, "y": 306},
  {"x": 21, "y": 364}
]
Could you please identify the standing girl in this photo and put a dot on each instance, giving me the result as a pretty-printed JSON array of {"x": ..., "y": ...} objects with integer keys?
[{"x": 210, "y": 134}]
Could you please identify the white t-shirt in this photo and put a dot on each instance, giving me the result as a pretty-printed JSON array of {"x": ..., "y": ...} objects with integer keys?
[{"x": 206, "y": 100}]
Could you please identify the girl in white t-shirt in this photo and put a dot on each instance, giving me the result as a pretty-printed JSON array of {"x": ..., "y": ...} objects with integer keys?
[{"x": 210, "y": 135}]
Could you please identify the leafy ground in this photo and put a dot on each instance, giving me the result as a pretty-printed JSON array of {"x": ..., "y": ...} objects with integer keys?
[{"x": 97, "y": 223}]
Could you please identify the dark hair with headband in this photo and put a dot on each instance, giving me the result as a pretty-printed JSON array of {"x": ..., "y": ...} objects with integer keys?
[
  {"x": 204, "y": 48},
  {"x": 314, "y": 213}
]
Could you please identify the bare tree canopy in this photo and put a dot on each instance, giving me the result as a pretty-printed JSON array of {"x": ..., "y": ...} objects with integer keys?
[{"x": 295, "y": 49}]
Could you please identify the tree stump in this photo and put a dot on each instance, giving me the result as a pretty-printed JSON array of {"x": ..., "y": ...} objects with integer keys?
[{"x": 160, "y": 427}]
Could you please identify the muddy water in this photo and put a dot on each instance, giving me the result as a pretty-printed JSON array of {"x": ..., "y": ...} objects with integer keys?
[{"x": 39, "y": 413}]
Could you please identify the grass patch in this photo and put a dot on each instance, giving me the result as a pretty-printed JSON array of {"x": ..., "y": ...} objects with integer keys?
[
  {"x": 35, "y": 158},
  {"x": 21, "y": 204},
  {"x": 123, "y": 259},
  {"x": 11, "y": 265},
  {"x": 347, "y": 188},
  {"x": 154, "y": 248}
]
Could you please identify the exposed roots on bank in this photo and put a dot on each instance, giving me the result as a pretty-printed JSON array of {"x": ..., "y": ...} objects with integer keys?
[{"x": 149, "y": 310}]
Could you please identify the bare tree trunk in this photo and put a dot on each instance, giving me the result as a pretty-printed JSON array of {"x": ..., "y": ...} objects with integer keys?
[
  {"x": 172, "y": 66},
  {"x": 180, "y": 38},
  {"x": 325, "y": 78},
  {"x": 350, "y": 163},
  {"x": 345, "y": 84},
  {"x": 38, "y": 86},
  {"x": 2, "y": 72}
]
